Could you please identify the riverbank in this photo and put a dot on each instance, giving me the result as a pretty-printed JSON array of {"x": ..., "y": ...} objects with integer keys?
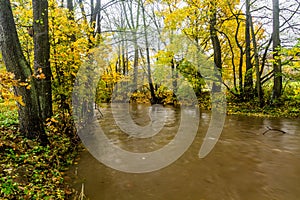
[
  {"x": 29, "y": 170},
  {"x": 286, "y": 110}
]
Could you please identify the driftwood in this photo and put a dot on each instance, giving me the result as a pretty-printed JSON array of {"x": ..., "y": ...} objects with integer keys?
[
  {"x": 98, "y": 109},
  {"x": 273, "y": 129}
]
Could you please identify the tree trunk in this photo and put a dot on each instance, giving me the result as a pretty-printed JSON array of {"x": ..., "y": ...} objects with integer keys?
[
  {"x": 214, "y": 38},
  {"x": 241, "y": 60},
  {"x": 216, "y": 44},
  {"x": 153, "y": 97},
  {"x": 92, "y": 11},
  {"x": 276, "y": 54},
  {"x": 70, "y": 8},
  {"x": 42, "y": 56},
  {"x": 174, "y": 75},
  {"x": 124, "y": 60},
  {"x": 29, "y": 115},
  {"x": 256, "y": 63},
  {"x": 96, "y": 16},
  {"x": 133, "y": 24},
  {"x": 248, "y": 84},
  {"x": 135, "y": 64}
]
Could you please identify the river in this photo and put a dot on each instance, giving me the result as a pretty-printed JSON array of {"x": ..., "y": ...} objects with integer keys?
[{"x": 248, "y": 162}]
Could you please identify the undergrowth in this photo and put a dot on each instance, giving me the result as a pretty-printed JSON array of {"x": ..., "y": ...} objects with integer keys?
[
  {"x": 280, "y": 108},
  {"x": 29, "y": 170}
]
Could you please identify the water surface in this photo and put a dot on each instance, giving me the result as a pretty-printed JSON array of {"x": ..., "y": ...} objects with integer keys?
[{"x": 245, "y": 164}]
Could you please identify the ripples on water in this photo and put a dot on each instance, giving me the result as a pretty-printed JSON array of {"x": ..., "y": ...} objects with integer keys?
[{"x": 245, "y": 164}]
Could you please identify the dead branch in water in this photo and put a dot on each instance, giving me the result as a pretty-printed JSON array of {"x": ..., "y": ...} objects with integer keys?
[{"x": 273, "y": 129}]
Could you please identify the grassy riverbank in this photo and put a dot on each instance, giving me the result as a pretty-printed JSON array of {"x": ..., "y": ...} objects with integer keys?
[
  {"x": 285, "y": 107},
  {"x": 283, "y": 110}
]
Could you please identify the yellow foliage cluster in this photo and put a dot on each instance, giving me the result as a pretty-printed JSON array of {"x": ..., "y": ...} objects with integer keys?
[
  {"x": 191, "y": 18},
  {"x": 69, "y": 49},
  {"x": 70, "y": 43},
  {"x": 7, "y": 82},
  {"x": 23, "y": 16}
]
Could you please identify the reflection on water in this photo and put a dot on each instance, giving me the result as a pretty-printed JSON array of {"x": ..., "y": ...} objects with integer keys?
[{"x": 243, "y": 165}]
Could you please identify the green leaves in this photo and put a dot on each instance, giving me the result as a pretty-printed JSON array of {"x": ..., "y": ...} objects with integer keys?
[{"x": 8, "y": 114}]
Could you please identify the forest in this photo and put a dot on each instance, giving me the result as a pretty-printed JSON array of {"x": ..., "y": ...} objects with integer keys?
[{"x": 61, "y": 59}]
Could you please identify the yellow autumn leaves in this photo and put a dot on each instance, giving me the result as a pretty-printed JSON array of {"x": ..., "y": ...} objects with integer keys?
[{"x": 7, "y": 81}]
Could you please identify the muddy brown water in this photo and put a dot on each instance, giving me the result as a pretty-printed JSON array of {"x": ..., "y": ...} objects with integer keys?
[{"x": 244, "y": 164}]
